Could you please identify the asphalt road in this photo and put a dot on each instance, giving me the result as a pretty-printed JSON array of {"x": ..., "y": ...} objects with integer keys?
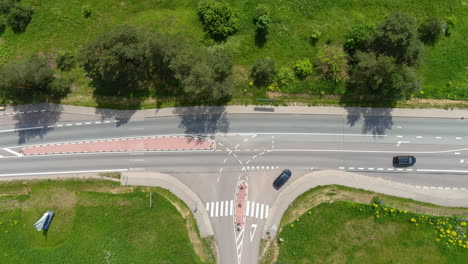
[{"x": 255, "y": 148}]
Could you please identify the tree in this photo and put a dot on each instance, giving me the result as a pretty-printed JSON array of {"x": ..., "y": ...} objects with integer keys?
[
  {"x": 397, "y": 37},
  {"x": 218, "y": 19},
  {"x": 19, "y": 17},
  {"x": 382, "y": 77},
  {"x": 6, "y": 5},
  {"x": 116, "y": 60},
  {"x": 263, "y": 71},
  {"x": 285, "y": 76},
  {"x": 431, "y": 30},
  {"x": 2, "y": 24},
  {"x": 262, "y": 19},
  {"x": 31, "y": 77},
  {"x": 302, "y": 68},
  {"x": 359, "y": 38},
  {"x": 332, "y": 62}
]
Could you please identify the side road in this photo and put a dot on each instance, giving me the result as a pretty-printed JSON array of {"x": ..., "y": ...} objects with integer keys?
[
  {"x": 235, "y": 109},
  {"x": 443, "y": 197}
]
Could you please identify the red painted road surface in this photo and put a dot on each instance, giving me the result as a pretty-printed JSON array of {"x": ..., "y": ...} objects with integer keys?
[
  {"x": 134, "y": 144},
  {"x": 241, "y": 198}
]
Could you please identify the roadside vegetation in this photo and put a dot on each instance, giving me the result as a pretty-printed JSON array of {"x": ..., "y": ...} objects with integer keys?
[
  {"x": 97, "y": 221},
  {"x": 146, "y": 54},
  {"x": 336, "y": 224}
]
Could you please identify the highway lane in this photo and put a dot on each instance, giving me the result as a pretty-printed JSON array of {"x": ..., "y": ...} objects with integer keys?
[{"x": 419, "y": 130}]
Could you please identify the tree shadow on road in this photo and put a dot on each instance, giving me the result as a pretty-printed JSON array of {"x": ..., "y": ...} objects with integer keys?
[
  {"x": 203, "y": 120},
  {"x": 375, "y": 112},
  {"x": 38, "y": 120}
]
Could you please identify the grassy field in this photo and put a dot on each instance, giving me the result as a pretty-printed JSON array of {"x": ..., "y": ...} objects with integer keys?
[
  {"x": 96, "y": 222},
  {"x": 335, "y": 224},
  {"x": 60, "y": 26}
]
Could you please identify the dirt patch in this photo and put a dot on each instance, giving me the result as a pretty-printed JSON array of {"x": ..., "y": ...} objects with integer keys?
[{"x": 240, "y": 75}]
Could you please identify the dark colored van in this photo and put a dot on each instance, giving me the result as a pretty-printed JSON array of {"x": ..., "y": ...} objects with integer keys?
[
  {"x": 282, "y": 179},
  {"x": 404, "y": 160}
]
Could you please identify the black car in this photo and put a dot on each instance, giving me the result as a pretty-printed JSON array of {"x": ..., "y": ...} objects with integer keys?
[
  {"x": 282, "y": 179},
  {"x": 404, "y": 160}
]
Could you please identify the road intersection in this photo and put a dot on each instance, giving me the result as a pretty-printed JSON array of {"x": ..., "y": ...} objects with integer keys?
[{"x": 253, "y": 148}]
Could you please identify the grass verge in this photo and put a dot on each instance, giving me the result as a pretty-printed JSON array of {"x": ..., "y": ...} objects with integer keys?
[
  {"x": 96, "y": 221},
  {"x": 336, "y": 224}
]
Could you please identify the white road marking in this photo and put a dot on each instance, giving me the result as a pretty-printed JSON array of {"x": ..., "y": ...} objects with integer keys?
[
  {"x": 399, "y": 136},
  {"x": 256, "y": 210},
  {"x": 212, "y": 209},
  {"x": 220, "y": 170},
  {"x": 247, "y": 209},
  {"x": 88, "y": 123},
  {"x": 462, "y": 160},
  {"x": 78, "y": 124},
  {"x": 231, "y": 207},
  {"x": 221, "y": 144},
  {"x": 107, "y": 122},
  {"x": 59, "y": 125},
  {"x": 399, "y": 169},
  {"x": 427, "y": 170},
  {"x": 254, "y": 157},
  {"x": 341, "y": 168},
  {"x": 266, "y": 212},
  {"x": 438, "y": 137},
  {"x": 369, "y": 151},
  {"x": 97, "y": 122},
  {"x": 360, "y": 168},
  {"x": 226, "y": 208},
  {"x": 351, "y": 168},
  {"x": 225, "y": 159},
  {"x": 245, "y": 140},
  {"x": 221, "y": 211},
  {"x": 216, "y": 211},
  {"x": 370, "y": 168},
  {"x": 252, "y": 233},
  {"x": 457, "y": 153},
  {"x": 252, "y": 209},
  {"x": 261, "y": 153},
  {"x": 237, "y": 146},
  {"x": 240, "y": 235},
  {"x": 240, "y": 162},
  {"x": 234, "y": 154},
  {"x": 247, "y": 162},
  {"x": 13, "y": 152},
  {"x": 400, "y": 142},
  {"x": 458, "y": 138},
  {"x": 69, "y": 124},
  {"x": 1, "y": 156},
  {"x": 418, "y": 137},
  {"x": 409, "y": 169},
  {"x": 390, "y": 169},
  {"x": 61, "y": 172},
  {"x": 207, "y": 206},
  {"x": 261, "y": 211}
]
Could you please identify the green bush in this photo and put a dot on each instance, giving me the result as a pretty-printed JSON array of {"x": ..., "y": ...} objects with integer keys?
[
  {"x": 19, "y": 17},
  {"x": 218, "y": 19},
  {"x": 359, "y": 38},
  {"x": 315, "y": 35},
  {"x": 302, "y": 68},
  {"x": 263, "y": 71},
  {"x": 431, "y": 30},
  {"x": 262, "y": 18},
  {"x": 6, "y": 5},
  {"x": 66, "y": 61},
  {"x": 86, "y": 11},
  {"x": 285, "y": 76},
  {"x": 450, "y": 25}
]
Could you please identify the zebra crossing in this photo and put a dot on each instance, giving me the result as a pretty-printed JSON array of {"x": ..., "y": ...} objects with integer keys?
[
  {"x": 258, "y": 168},
  {"x": 226, "y": 208}
]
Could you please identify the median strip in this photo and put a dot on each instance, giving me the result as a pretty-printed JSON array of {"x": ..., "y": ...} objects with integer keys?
[{"x": 160, "y": 143}]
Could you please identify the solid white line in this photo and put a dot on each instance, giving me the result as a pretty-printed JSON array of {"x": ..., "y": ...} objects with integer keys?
[
  {"x": 247, "y": 209},
  {"x": 261, "y": 211},
  {"x": 231, "y": 207},
  {"x": 221, "y": 211},
  {"x": 60, "y": 172},
  {"x": 266, "y": 211},
  {"x": 13, "y": 152},
  {"x": 217, "y": 207},
  {"x": 427, "y": 170},
  {"x": 212, "y": 209},
  {"x": 367, "y": 151},
  {"x": 256, "y": 210},
  {"x": 252, "y": 209},
  {"x": 226, "y": 208},
  {"x": 240, "y": 234}
]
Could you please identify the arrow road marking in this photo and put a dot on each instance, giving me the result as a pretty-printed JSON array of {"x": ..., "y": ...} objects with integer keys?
[{"x": 252, "y": 233}]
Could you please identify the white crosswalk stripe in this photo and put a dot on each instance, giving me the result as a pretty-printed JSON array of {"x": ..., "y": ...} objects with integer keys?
[
  {"x": 249, "y": 168},
  {"x": 226, "y": 208}
]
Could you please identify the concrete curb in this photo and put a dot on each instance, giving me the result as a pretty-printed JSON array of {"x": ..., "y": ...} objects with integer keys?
[
  {"x": 238, "y": 109},
  {"x": 179, "y": 189},
  {"x": 443, "y": 197}
]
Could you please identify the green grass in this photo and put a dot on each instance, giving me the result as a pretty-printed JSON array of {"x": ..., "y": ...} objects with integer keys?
[
  {"x": 60, "y": 26},
  {"x": 346, "y": 232},
  {"x": 93, "y": 227}
]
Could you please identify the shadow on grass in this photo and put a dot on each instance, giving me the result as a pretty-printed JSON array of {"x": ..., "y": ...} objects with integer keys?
[
  {"x": 375, "y": 111},
  {"x": 260, "y": 38}
]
